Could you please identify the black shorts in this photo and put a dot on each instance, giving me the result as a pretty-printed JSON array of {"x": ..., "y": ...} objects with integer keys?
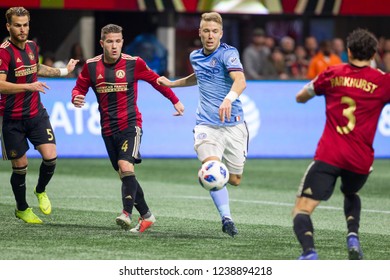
[
  {"x": 320, "y": 179},
  {"x": 124, "y": 146},
  {"x": 15, "y": 133}
]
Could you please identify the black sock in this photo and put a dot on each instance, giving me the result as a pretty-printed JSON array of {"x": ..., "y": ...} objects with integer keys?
[
  {"x": 352, "y": 208},
  {"x": 303, "y": 229},
  {"x": 129, "y": 191},
  {"x": 18, "y": 183},
  {"x": 46, "y": 171},
  {"x": 140, "y": 203}
]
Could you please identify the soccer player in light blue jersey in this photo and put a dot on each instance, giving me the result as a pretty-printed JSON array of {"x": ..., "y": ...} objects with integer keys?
[{"x": 220, "y": 132}]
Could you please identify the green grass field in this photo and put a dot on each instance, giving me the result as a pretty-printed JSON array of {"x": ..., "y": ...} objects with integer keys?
[{"x": 85, "y": 194}]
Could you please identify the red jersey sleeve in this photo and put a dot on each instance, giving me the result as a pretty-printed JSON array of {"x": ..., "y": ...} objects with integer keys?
[
  {"x": 83, "y": 82},
  {"x": 143, "y": 72}
]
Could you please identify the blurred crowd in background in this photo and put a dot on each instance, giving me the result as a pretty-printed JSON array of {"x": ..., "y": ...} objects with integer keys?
[{"x": 265, "y": 58}]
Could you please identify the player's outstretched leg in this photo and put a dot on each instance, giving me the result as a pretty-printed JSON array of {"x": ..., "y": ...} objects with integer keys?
[{"x": 221, "y": 202}]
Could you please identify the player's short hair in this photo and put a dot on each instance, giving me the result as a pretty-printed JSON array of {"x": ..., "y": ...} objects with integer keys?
[
  {"x": 212, "y": 16},
  {"x": 362, "y": 44},
  {"x": 110, "y": 28},
  {"x": 16, "y": 11}
]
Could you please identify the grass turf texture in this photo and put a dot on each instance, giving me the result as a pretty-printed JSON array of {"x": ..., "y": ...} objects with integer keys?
[{"x": 85, "y": 194}]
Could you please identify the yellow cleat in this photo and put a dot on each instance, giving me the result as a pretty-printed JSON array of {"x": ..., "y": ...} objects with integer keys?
[
  {"x": 28, "y": 216},
  {"x": 44, "y": 202}
]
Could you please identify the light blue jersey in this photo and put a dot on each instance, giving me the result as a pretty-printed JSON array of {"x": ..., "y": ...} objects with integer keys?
[{"x": 212, "y": 73}]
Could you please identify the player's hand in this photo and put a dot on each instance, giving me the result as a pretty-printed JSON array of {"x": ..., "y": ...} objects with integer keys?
[
  {"x": 225, "y": 110},
  {"x": 179, "y": 107},
  {"x": 38, "y": 86},
  {"x": 79, "y": 101},
  {"x": 72, "y": 64},
  {"x": 163, "y": 81}
]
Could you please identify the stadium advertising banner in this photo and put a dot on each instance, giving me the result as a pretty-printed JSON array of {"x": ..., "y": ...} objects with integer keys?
[{"x": 278, "y": 126}]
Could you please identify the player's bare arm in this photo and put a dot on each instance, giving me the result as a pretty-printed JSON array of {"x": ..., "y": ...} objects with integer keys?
[
  {"x": 190, "y": 80},
  {"x": 239, "y": 85},
  {"x": 11, "y": 88},
  {"x": 47, "y": 71},
  {"x": 303, "y": 95}
]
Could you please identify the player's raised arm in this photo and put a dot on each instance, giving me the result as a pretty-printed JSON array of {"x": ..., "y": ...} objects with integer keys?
[{"x": 47, "y": 71}]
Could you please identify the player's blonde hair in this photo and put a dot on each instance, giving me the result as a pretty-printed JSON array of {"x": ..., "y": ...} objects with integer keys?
[
  {"x": 212, "y": 16},
  {"x": 110, "y": 28}
]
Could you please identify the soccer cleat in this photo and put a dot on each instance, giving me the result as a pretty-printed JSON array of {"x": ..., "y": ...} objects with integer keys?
[
  {"x": 143, "y": 224},
  {"x": 44, "y": 202},
  {"x": 354, "y": 250},
  {"x": 28, "y": 216},
  {"x": 229, "y": 227},
  {"x": 123, "y": 220},
  {"x": 310, "y": 254}
]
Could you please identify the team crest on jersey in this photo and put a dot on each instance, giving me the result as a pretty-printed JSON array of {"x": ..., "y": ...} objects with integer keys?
[
  {"x": 31, "y": 56},
  {"x": 234, "y": 60},
  {"x": 213, "y": 62},
  {"x": 120, "y": 74}
]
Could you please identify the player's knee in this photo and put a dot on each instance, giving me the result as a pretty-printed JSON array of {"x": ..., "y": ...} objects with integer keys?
[{"x": 305, "y": 205}]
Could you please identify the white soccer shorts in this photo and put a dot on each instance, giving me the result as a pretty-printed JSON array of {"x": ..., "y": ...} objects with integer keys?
[{"x": 229, "y": 143}]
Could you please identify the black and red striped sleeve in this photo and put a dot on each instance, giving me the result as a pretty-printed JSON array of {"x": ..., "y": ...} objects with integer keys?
[{"x": 83, "y": 82}]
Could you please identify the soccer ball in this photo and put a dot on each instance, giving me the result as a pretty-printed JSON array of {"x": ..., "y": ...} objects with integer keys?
[{"x": 213, "y": 175}]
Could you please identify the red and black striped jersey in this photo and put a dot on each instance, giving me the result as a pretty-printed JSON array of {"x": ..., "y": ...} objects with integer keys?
[
  {"x": 21, "y": 67},
  {"x": 116, "y": 89}
]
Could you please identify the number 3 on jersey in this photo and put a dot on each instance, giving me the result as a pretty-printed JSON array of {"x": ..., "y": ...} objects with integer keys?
[{"x": 348, "y": 113}]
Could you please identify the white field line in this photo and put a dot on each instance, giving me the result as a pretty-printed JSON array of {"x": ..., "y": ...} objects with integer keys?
[{"x": 283, "y": 204}]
